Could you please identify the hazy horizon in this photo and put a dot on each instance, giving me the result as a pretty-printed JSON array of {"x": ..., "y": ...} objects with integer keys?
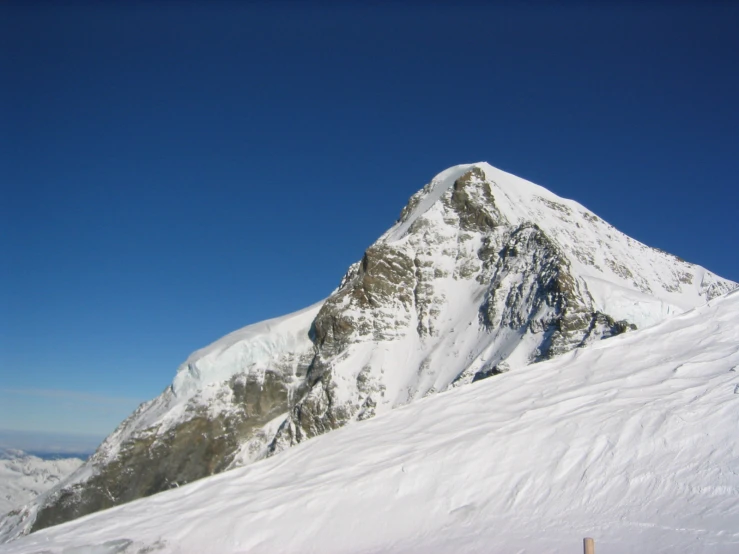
[{"x": 49, "y": 444}]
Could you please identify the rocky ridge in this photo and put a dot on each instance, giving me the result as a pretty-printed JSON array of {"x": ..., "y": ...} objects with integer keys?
[{"x": 483, "y": 273}]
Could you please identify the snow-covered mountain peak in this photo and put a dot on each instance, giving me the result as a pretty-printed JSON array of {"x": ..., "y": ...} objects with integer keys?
[
  {"x": 513, "y": 195},
  {"x": 483, "y": 273},
  {"x": 623, "y": 277},
  {"x": 425, "y": 198}
]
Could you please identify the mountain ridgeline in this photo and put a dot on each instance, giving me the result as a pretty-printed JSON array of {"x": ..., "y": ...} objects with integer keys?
[{"x": 483, "y": 273}]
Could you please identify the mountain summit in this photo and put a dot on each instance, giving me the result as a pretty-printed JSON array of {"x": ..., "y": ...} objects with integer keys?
[{"x": 483, "y": 273}]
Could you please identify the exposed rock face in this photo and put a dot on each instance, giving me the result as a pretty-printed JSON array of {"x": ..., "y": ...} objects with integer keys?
[{"x": 483, "y": 273}]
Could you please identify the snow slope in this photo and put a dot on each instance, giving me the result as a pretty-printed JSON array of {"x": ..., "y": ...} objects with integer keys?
[
  {"x": 23, "y": 477},
  {"x": 630, "y": 440}
]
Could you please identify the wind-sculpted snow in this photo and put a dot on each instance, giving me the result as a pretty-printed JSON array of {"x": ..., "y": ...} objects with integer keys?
[
  {"x": 483, "y": 273},
  {"x": 631, "y": 441}
]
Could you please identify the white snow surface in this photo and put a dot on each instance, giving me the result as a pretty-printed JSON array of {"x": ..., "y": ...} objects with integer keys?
[
  {"x": 23, "y": 476},
  {"x": 631, "y": 441}
]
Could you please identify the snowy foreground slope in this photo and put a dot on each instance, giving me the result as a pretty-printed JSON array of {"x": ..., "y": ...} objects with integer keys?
[
  {"x": 483, "y": 273},
  {"x": 23, "y": 477},
  {"x": 632, "y": 440}
]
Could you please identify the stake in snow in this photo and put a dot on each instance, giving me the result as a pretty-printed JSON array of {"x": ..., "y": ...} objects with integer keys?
[{"x": 483, "y": 273}]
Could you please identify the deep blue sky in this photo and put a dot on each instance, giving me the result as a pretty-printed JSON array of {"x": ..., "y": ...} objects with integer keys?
[{"x": 172, "y": 172}]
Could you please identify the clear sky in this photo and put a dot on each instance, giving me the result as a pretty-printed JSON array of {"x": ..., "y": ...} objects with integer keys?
[{"x": 171, "y": 172}]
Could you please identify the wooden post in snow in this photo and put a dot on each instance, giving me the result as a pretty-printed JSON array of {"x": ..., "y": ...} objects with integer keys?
[{"x": 588, "y": 545}]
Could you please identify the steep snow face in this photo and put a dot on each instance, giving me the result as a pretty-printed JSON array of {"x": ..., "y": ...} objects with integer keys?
[
  {"x": 483, "y": 273},
  {"x": 631, "y": 441},
  {"x": 23, "y": 477}
]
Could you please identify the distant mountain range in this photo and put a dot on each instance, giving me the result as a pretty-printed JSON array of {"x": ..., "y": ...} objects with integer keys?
[{"x": 24, "y": 476}]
